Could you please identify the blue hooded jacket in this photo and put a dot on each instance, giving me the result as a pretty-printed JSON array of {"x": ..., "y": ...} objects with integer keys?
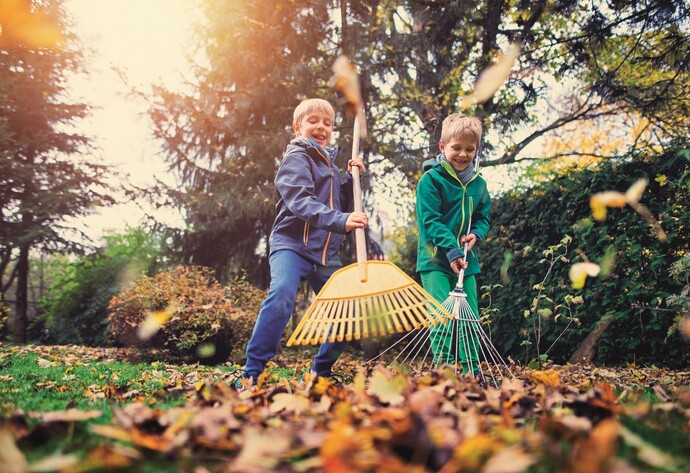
[{"x": 313, "y": 204}]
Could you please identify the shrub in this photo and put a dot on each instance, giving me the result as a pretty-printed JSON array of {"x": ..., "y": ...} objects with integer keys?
[
  {"x": 75, "y": 309},
  {"x": 248, "y": 298},
  {"x": 636, "y": 291},
  {"x": 195, "y": 313}
]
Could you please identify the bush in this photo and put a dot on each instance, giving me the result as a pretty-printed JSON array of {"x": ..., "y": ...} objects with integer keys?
[
  {"x": 75, "y": 309},
  {"x": 639, "y": 284},
  {"x": 248, "y": 299},
  {"x": 198, "y": 319}
]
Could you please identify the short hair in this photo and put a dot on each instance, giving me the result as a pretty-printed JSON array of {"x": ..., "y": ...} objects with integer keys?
[
  {"x": 459, "y": 125},
  {"x": 312, "y": 105}
]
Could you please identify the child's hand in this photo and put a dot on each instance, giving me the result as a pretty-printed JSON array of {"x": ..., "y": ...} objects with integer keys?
[
  {"x": 470, "y": 239},
  {"x": 458, "y": 265},
  {"x": 358, "y": 161},
  {"x": 356, "y": 220}
]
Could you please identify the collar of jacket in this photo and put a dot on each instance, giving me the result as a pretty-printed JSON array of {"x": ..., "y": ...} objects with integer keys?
[
  {"x": 441, "y": 160},
  {"x": 307, "y": 143}
]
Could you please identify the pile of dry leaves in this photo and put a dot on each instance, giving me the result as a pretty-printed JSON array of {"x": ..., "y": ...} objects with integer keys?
[{"x": 566, "y": 418}]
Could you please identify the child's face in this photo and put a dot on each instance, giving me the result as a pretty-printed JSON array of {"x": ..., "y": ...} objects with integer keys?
[
  {"x": 459, "y": 152},
  {"x": 317, "y": 126}
]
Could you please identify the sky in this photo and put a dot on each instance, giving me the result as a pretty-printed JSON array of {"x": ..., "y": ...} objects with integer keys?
[{"x": 147, "y": 41}]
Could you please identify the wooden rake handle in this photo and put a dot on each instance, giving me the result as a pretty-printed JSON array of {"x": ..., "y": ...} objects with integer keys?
[{"x": 360, "y": 240}]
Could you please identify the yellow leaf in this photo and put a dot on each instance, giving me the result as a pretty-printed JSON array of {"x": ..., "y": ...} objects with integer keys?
[
  {"x": 579, "y": 271},
  {"x": 492, "y": 78},
  {"x": 600, "y": 202},
  {"x": 289, "y": 403},
  {"x": 661, "y": 179},
  {"x": 154, "y": 321},
  {"x": 549, "y": 378},
  {"x": 634, "y": 193},
  {"x": 387, "y": 390}
]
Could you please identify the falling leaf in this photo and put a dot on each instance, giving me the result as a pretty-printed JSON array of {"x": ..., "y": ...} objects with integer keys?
[
  {"x": 579, "y": 271},
  {"x": 19, "y": 25},
  {"x": 601, "y": 201},
  {"x": 507, "y": 259},
  {"x": 492, "y": 78},
  {"x": 154, "y": 321},
  {"x": 206, "y": 350},
  {"x": 634, "y": 193},
  {"x": 661, "y": 179},
  {"x": 346, "y": 81}
]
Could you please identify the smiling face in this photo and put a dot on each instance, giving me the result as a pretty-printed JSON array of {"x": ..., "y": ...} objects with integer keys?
[
  {"x": 459, "y": 151},
  {"x": 315, "y": 125}
]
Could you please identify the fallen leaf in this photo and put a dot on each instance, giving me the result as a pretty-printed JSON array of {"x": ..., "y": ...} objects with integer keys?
[
  {"x": 597, "y": 451},
  {"x": 70, "y": 415},
  {"x": 12, "y": 460},
  {"x": 55, "y": 463},
  {"x": 549, "y": 378},
  {"x": 510, "y": 460},
  {"x": 385, "y": 389},
  {"x": 289, "y": 403}
]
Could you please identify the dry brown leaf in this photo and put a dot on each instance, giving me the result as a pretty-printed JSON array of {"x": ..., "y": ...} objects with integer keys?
[
  {"x": 55, "y": 463},
  {"x": 510, "y": 460},
  {"x": 492, "y": 78},
  {"x": 597, "y": 451},
  {"x": 12, "y": 460},
  {"x": 70, "y": 415},
  {"x": 289, "y": 403},
  {"x": 43, "y": 363},
  {"x": 261, "y": 451}
]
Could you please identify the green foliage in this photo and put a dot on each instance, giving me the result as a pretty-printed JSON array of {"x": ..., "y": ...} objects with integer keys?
[
  {"x": 404, "y": 253},
  {"x": 194, "y": 316},
  {"x": 76, "y": 306},
  {"x": 635, "y": 288}
]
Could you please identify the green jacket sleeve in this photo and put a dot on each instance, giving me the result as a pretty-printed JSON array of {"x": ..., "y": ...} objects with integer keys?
[{"x": 429, "y": 218}]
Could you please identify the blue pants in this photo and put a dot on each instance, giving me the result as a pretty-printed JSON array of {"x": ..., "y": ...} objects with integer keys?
[{"x": 287, "y": 270}]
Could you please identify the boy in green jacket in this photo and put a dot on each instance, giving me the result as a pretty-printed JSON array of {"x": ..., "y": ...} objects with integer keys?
[{"x": 450, "y": 191}]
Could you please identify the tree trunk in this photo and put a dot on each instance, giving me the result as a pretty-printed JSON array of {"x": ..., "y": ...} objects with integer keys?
[
  {"x": 585, "y": 351},
  {"x": 21, "y": 309}
]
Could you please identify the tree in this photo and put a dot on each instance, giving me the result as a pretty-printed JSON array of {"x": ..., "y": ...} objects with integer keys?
[
  {"x": 225, "y": 136},
  {"x": 577, "y": 63},
  {"x": 42, "y": 181}
]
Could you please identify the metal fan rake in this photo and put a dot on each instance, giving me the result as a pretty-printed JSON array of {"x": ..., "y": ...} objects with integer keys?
[{"x": 464, "y": 344}]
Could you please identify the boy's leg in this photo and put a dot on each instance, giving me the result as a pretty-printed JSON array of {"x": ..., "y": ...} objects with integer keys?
[
  {"x": 469, "y": 344},
  {"x": 328, "y": 352},
  {"x": 439, "y": 285},
  {"x": 287, "y": 268}
]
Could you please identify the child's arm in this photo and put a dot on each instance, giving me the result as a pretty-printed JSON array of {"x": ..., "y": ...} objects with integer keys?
[
  {"x": 430, "y": 221},
  {"x": 295, "y": 185}
]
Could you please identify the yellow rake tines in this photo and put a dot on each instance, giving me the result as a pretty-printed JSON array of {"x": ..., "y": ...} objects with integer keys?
[{"x": 348, "y": 308}]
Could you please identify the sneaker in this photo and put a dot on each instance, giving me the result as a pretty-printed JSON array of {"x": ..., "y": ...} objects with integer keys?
[{"x": 240, "y": 383}]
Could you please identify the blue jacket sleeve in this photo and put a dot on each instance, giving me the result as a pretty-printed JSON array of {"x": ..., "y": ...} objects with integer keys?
[{"x": 295, "y": 184}]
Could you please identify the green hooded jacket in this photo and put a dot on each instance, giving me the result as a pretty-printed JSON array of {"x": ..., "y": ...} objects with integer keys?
[{"x": 444, "y": 206}]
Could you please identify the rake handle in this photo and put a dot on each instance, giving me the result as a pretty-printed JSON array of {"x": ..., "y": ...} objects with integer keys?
[
  {"x": 461, "y": 275},
  {"x": 360, "y": 240}
]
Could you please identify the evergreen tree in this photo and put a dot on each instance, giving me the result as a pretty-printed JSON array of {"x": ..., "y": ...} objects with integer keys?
[
  {"x": 42, "y": 182},
  {"x": 226, "y": 135}
]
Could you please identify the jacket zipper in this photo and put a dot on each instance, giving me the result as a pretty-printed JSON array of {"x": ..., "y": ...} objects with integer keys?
[{"x": 328, "y": 236}]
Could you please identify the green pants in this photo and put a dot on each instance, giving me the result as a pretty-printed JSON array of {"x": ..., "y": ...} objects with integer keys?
[{"x": 447, "y": 344}]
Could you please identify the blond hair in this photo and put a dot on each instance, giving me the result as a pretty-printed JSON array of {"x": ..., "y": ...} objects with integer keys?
[
  {"x": 459, "y": 125},
  {"x": 311, "y": 105}
]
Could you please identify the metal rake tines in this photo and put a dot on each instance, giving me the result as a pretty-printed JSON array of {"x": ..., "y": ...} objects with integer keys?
[
  {"x": 461, "y": 342},
  {"x": 345, "y": 319}
]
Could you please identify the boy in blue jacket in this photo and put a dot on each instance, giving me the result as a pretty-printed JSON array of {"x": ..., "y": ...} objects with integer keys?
[{"x": 311, "y": 220}]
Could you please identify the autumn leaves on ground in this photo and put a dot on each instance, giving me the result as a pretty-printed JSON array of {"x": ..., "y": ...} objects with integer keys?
[{"x": 77, "y": 409}]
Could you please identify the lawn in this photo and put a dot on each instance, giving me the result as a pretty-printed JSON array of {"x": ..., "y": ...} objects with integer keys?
[{"x": 77, "y": 409}]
